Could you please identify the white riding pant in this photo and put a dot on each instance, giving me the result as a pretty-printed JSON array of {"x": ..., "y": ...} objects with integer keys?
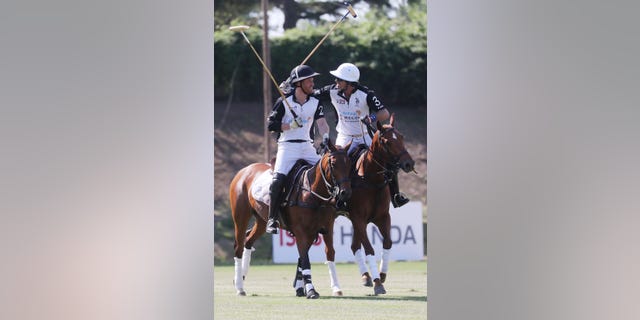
[
  {"x": 290, "y": 152},
  {"x": 343, "y": 139}
]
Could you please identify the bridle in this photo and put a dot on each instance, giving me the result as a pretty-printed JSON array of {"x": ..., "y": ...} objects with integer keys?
[
  {"x": 332, "y": 187},
  {"x": 395, "y": 159},
  {"x": 391, "y": 166}
]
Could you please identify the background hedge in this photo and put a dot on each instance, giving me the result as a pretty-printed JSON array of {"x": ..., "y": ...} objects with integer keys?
[{"x": 390, "y": 52}]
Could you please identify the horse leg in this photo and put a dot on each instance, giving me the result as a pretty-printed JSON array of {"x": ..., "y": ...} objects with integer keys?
[
  {"x": 240, "y": 212},
  {"x": 384, "y": 226},
  {"x": 252, "y": 236},
  {"x": 378, "y": 288},
  {"x": 304, "y": 243},
  {"x": 330, "y": 253},
  {"x": 297, "y": 281},
  {"x": 359, "y": 231},
  {"x": 364, "y": 272}
]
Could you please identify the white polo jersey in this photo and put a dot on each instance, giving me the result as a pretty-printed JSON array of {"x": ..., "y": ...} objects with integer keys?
[
  {"x": 361, "y": 103},
  {"x": 295, "y": 143},
  {"x": 306, "y": 113}
]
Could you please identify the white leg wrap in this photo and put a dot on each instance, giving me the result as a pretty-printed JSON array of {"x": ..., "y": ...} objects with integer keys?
[
  {"x": 371, "y": 261},
  {"x": 384, "y": 263},
  {"x": 333, "y": 275},
  {"x": 238, "y": 282},
  {"x": 308, "y": 286},
  {"x": 359, "y": 255},
  {"x": 299, "y": 284},
  {"x": 306, "y": 276},
  {"x": 246, "y": 260}
]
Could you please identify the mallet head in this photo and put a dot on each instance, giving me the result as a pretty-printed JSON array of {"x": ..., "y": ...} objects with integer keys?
[
  {"x": 350, "y": 8},
  {"x": 238, "y": 28}
]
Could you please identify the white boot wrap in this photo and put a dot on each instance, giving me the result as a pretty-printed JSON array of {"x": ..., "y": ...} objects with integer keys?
[
  {"x": 384, "y": 263},
  {"x": 333, "y": 275},
  {"x": 246, "y": 260},
  {"x": 306, "y": 276},
  {"x": 238, "y": 282},
  {"x": 371, "y": 261},
  {"x": 359, "y": 255}
]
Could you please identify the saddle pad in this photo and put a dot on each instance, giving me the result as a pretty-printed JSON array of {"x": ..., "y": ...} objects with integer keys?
[{"x": 260, "y": 187}]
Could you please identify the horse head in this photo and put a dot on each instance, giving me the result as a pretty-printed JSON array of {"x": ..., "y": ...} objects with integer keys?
[
  {"x": 392, "y": 143},
  {"x": 335, "y": 165}
]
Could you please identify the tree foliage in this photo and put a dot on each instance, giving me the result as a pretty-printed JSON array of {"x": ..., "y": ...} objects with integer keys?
[
  {"x": 227, "y": 11},
  {"x": 390, "y": 52},
  {"x": 313, "y": 10}
]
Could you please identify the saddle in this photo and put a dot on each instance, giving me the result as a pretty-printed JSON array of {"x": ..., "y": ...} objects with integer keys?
[
  {"x": 355, "y": 154},
  {"x": 292, "y": 183}
]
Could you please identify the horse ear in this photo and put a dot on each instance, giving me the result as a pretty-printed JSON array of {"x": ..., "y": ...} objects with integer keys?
[
  {"x": 379, "y": 125},
  {"x": 348, "y": 145},
  {"x": 391, "y": 120},
  {"x": 331, "y": 146}
]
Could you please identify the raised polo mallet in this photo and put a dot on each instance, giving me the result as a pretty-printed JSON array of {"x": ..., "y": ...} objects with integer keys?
[
  {"x": 350, "y": 11},
  {"x": 241, "y": 29},
  {"x": 286, "y": 85}
]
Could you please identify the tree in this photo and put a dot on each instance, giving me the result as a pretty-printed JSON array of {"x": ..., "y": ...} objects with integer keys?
[
  {"x": 313, "y": 10},
  {"x": 226, "y": 11}
]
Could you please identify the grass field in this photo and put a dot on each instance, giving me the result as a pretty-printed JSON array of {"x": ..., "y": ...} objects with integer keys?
[{"x": 270, "y": 294}]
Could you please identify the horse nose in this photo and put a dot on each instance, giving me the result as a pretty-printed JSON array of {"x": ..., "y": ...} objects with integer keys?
[
  {"x": 344, "y": 195},
  {"x": 407, "y": 165}
]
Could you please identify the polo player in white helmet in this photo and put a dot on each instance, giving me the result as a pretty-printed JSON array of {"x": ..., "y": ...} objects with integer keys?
[{"x": 355, "y": 103}]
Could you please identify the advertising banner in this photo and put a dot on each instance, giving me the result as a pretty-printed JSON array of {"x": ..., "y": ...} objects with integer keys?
[{"x": 406, "y": 236}]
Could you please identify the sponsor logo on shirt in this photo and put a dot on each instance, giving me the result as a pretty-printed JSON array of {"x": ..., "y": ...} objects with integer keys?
[{"x": 350, "y": 116}]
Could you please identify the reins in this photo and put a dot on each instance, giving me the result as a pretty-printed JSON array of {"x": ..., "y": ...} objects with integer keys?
[
  {"x": 390, "y": 166},
  {"x": 335, "y": 187}
]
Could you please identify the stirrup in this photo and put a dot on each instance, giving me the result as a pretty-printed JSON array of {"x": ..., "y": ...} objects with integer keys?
[
  {"x": 272, "y": 226},
  {"x": 399, "y": 200}
]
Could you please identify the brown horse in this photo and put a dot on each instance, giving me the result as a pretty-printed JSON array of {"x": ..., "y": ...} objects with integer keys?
[
  {"x": 310, "y": 211},
  {"x": 370, "y": 199}
]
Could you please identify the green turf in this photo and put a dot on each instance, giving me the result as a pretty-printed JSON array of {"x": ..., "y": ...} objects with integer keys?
[{"x": 270, "y": 294}]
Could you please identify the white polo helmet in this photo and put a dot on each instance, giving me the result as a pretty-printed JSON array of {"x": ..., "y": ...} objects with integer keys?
[{"x": 347, "y": 72}]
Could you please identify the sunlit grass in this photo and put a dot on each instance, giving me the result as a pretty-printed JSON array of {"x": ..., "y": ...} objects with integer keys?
[{"x": 270, "y": 294}]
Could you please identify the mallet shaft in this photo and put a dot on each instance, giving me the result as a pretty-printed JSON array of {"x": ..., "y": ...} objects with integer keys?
[
  {"x": 267, "y": 71},
  {"x": 323, "y": 38}
]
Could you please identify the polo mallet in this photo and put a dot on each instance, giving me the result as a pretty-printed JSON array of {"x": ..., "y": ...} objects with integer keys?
[
  {"x": 286, "y": 85},
  {"x": 241, "y": 29},
  {"x": 350, "y": 11}
]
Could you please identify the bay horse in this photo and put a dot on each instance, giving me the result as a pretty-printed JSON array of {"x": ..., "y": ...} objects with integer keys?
[
  {"x": 310, "y": 211},
  {"x": 369, "y": 202}
]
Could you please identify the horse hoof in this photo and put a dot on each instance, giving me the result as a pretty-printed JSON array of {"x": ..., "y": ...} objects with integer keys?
[
  {"x": 383, "y": 277},
  {"x": 366, "y": 281},
  {"x": 312, "y": 294},
  {"x": 379, "y": 290},
  {"x": 242, "y": 293},
  {"x": 300, "y": 292},
  {"x": 337, "y": 294}
]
